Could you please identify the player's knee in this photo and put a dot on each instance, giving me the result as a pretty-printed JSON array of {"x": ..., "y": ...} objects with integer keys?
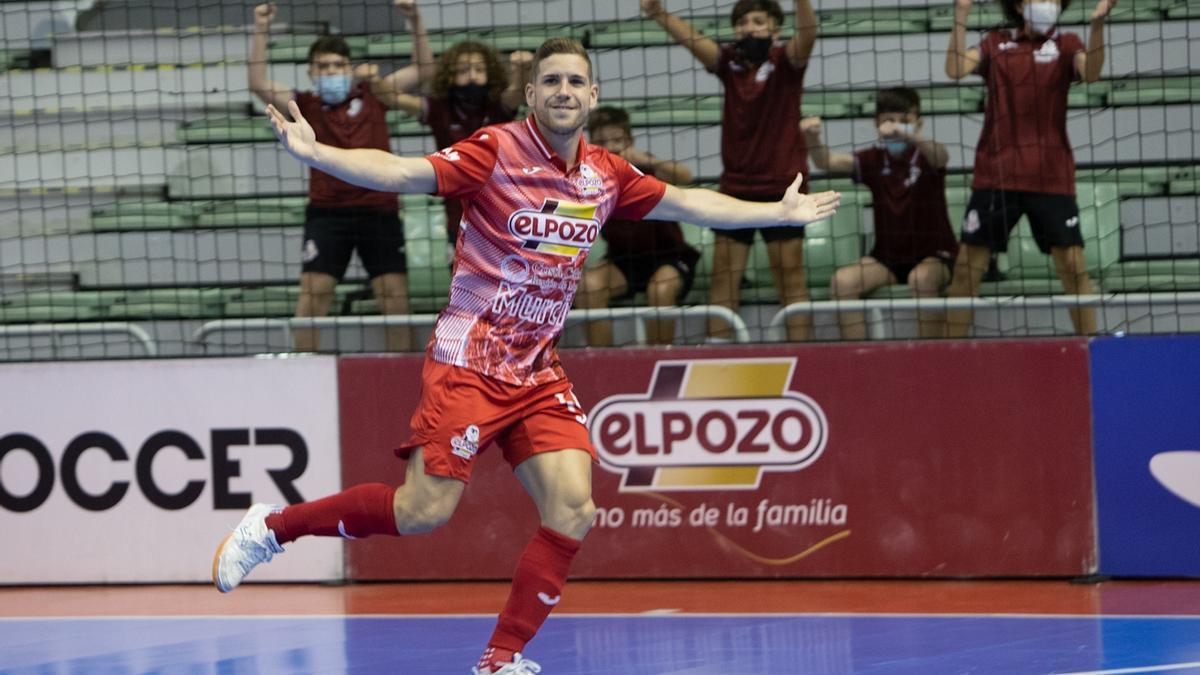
[
  {"x": 417, "y": 516},
  {"x": 845, "y": 283},
  {"x": 925, "y": 280},
  {"x": 573, "y": 513}
]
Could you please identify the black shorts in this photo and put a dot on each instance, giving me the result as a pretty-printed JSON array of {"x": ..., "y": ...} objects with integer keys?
[
  {"x": 992, "y": 214},
  {"x": 332, "y": 235},
  {"x": 746, "y": 236},
  {"x": 901, "y": 270},
  {"x": 639, "y": 267}
]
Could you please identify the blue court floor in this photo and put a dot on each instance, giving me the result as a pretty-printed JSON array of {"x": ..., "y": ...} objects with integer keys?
[{"x": 675, "y": 644}]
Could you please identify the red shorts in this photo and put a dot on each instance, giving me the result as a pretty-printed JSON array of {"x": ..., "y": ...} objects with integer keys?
[{"x": 462, "y": 412}]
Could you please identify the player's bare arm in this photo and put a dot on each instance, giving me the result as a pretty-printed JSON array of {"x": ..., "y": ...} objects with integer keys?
[
  {"x": 268, "y": 91},
  {"x": 819, "y": 153},
  {"x": 397, "y": 89},
  {"x": 800, "y": 47},
  {"x": 706, "y": 51},
  {"x": 713, "y": 209},
  {"x": 960, "y": 61},
  {"x": 369, "y": 168},
  {"x": 1089, "y": 63}
]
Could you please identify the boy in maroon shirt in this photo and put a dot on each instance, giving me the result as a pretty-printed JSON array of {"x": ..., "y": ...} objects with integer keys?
[
  {"x": 907, "y": 177},
  {"x": 342, "y": 218},
  {"x": 761, "y": 145},
  {"x": 470, "y": 90},
  {"x": 642, "y": 255},
  {"x": 1023, "y": 163}
]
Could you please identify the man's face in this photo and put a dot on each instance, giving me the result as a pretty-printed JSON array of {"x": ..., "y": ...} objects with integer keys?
[
  {"x": 562, "y": 93},
  {"x": 328, "y": 64},
  {"x": 611, "y": 137},
  {"x": 757, "y": 24},
  {"x": 470, "y": 68}
]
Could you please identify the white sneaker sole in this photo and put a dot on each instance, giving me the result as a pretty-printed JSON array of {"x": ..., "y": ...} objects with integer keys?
[{"x": 217, "y": 563}]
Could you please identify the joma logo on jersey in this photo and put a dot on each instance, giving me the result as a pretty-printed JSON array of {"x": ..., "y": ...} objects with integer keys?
[
  {"x": 710, "y": 424},
  {"x": 561, "y": 228}
]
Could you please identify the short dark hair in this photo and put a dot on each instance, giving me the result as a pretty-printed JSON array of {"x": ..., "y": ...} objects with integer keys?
[
  {"x": 443, "y": 77},
  {"x": 609, "y": 116},
  {"x": 1012, "y": 11},
  {"x": 897, "y": 100},
  {"x": 744, "y": 7},
  {"x": 560, "y": 45},
  {"x": 329, "y": 44}
]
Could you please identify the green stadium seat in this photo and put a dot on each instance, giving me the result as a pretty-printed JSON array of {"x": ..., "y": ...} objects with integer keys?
[{"x": 1154, "y": 90}]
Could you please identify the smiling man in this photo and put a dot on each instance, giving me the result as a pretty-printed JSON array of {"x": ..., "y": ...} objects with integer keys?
[{"x": 535, "y": 196}]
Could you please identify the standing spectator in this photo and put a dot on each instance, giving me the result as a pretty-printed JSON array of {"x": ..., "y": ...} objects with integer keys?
[
  {"x": 342, "y": 218},
  {"x": 761, "y": 145},
  {"x": 642, "y": 255},
  {"x": 1023, "y": 163},
  {"x": 906, "y": 173},
  {"x": 470, "y": 90}
]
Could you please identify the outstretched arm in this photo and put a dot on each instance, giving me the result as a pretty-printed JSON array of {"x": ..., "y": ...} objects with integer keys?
[
  {"x": 704, "y": 49},
  {"x": 369, "y": 168},
  {"x": 268, "y": 91},
  {"x": 715, "y": 210},
  {"x": 390, "y": 89},
  {"x": 819, "y": 153},
  {"x": 1090, "y": 62},
  {"x": 801, "y": 45},
  {"x": 960, "y": 61}
]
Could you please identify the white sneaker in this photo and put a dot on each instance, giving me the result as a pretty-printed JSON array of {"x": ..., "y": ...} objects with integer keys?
[
  {"x": 250, "y": 544},
  {"x": 519, "y": 666}
]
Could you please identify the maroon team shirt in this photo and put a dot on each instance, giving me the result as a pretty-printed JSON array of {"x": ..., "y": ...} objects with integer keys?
[
  {"x": 911, "y": 223},
  {"x": 762, "y": 149},
  {"x": 450, "y": 124},
  {"x": 628, "y": 238},
  {"x": 1024, "y": 144},
  {"x": 358, "y": 122}
]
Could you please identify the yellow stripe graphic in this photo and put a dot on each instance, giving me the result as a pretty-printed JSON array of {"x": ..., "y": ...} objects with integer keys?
[
  {"x": 732, "y": 379},
  {"x": 693, "y": 476},
  {"x": 558, "y": 249},
  {"x": 576, "y": 210}
]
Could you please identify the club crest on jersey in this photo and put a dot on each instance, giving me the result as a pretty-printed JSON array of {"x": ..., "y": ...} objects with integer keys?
[
  {"x": 561, "y": 228},
  {"x": 589, "y": 183}
]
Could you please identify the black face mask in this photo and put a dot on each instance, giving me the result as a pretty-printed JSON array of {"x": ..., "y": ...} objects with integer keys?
[
  {"x": 470, "y": 95},
  {"x": 754, "y": 49}
]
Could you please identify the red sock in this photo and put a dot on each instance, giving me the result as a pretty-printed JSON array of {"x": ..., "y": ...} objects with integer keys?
[
  {"x": 536, "y": 589},
  {"x": 359, "y": 512}
]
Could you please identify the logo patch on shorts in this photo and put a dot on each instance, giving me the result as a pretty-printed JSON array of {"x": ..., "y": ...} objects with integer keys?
[
  {"x": 467, "y": 445},
  {"x": 310, "y": 252},
  {"x": 971, "y": 223},
  {"x": 1073, "y": 221}
]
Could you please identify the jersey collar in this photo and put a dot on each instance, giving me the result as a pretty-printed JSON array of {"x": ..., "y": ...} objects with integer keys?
[{"x": 546, "y": 150}]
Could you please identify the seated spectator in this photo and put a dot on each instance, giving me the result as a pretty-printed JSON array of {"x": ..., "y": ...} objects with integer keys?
[
  {"x": 914, "y": 243},
  {"x": 470, "y": 91},
  {"x": 642, "y": 255},
  {"x": 343, "y": 218}
]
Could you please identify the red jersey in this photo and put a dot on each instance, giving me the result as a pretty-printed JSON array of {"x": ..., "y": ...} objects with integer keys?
[
  {"x": 452, "y": 123},
  {"x": 358, "y": 122},
  {"x": 762, "y": 148},
  {"x": 909, "y": 197},
  {"x": 528, "y": 223},
  {"x": 1024, "y": 144}
]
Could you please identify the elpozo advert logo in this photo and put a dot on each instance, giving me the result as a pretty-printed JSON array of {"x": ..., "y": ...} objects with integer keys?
[{"x": 709, "y": 425}]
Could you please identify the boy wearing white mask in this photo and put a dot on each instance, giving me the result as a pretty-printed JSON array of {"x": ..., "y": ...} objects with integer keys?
[
  {"x": 1023, "y": 163},
  {"x": 342, "y": 218},
  {"x": 906, "y": 173}
]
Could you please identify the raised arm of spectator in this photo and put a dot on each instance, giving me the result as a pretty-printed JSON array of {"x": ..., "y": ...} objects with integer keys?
[
  {"x": 960, "y": 61},
  {"x": 819, "y": 153},
  {"x": 272, "y": 93},
  {"x": 365, "y": 167},
  {"x": 1090, "y": 62},
  {"x": 801, "y": 45},
  {"x": 715, "y": 210},
  {"x": 397, "y": 88},
  {"x": 664, "y": 169},
  {"x": 520, "y": 65},
  {"x": 387, "y": 88},
  {"x": 704, "y": 49}
]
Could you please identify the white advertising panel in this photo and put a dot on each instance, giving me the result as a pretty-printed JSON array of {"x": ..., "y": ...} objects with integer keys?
[{"x": 134, "y": 471}]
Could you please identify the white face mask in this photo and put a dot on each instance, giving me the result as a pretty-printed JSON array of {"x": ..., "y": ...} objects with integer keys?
[{"x": 1040, "y": 17}]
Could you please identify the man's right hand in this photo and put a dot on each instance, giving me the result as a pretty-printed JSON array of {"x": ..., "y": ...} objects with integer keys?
[
  {"x": 298, "y": 137},
  {"x": 264, "y": 14},
  {"x": 811, "y": 126},
  {"x": 652, "y": 8}
]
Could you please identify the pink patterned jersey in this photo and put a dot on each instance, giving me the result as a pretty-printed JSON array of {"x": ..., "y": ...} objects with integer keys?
[{"x": 528, "y": 223}]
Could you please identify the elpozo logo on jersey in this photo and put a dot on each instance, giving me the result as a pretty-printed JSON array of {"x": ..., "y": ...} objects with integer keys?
[
  {"x": 561, "y": 228},
  {"x": 709, "y": 425}
]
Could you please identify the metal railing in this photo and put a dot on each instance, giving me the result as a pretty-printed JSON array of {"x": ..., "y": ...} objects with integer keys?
[{"x": 54, "y": 330}]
